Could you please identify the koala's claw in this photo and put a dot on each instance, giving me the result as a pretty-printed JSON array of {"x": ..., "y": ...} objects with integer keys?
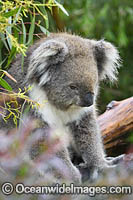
[{"x": 113, "y": 161}]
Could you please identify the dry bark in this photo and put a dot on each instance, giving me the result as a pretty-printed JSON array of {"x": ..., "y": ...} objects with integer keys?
[{"x": 116, "y": 122}]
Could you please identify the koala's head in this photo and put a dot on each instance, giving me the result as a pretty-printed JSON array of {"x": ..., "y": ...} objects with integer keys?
[{"x": 69, "y": 68}]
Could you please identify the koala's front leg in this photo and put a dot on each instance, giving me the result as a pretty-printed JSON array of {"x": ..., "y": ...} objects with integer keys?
[
  {"x": 89, "y": 144},
  {"x": 73, "y": 172}
]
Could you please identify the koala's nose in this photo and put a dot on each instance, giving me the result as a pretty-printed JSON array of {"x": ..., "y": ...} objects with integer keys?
[{"x": 88, "y": 99}]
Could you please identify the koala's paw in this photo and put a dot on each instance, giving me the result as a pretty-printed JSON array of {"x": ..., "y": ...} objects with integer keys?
[
  {"x": 88, "y": 173},
  {"x": 91, "y": 173},
  {"x": 113, "y": 161}
]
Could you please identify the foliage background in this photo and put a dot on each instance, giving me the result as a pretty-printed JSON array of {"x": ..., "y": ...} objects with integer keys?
[{"x": 108, "y": 19}]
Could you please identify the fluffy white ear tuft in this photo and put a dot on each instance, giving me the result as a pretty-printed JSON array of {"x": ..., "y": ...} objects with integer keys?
[
  {"x": 50, "y": 52},
  {"x": 108, "y": 60},
  {"x": 50, "y": 48}
]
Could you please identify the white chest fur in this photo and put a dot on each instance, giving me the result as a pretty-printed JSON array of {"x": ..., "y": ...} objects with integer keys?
[{"x": 54, "y": 117}]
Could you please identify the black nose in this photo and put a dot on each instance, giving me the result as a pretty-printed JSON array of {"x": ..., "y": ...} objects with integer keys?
[{"x": 88, "y": 99}]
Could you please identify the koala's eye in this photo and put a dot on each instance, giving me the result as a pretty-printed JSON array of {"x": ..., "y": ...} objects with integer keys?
[{"x": 73, "y": 87}]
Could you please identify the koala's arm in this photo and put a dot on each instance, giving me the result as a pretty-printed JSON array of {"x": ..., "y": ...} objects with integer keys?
[
  {"x": 89, "y": 144},
  {"x": 88, "y": 139}
]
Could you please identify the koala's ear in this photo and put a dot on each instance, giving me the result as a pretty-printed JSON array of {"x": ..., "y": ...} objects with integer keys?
[
  {"x": 51, "y": 49},
  {"x": 108, "y": 60},
  {"x": 49, "y": 53}
]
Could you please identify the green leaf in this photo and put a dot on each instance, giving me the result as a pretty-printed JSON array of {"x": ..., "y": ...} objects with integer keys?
[
  {"x": 24, "y": 32},
  {"x": 16, "y": 31},
  {"x": 17, "y": 15},
  {"x": 31, "y": 31},
  {"x": 5, "y": 85},
  {"x": 10, "y": 13},
  {"x": 8, "y": 41},
  {"x": 1, "y": 46},
  {"x": 9, "y": 28},
  {"x": 62, "y": 8},
  {"x": 2, "y": 61},
  {"x": 43, "y": 10},
  {"x": 44, "y": 30},
  {"x": 11, "y": 56},
  {"x": 2, "y": 37},
  {"x": 45, "y": 13}
]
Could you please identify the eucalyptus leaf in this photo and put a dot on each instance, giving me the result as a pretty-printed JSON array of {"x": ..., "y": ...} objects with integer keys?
[
  {"x": 11, "y": 56},
  {"x": 2, "y": 37},
  {"x": 31, "y": 31},
  {"x": 44, "y": 30},
  {"x": 43, "y": 10},
  {"x": 24, "y": 32},
  {"x": 5, "y": 85},
  {"x": 10, "y": 13},
  {"x": 62, "y": 8},
  {"x": 17, "y": 15},
  {"x": 8, "y": 40}
]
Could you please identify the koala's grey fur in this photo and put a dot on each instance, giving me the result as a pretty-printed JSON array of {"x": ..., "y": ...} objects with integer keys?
[{"x": 66, "y": 70}]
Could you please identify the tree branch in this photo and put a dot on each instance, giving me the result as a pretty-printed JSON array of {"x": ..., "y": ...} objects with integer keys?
[{"x": 116, "y": 122}]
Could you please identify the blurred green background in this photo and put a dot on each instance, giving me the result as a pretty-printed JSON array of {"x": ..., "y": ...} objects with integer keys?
[{"x": 94, "y": 19}]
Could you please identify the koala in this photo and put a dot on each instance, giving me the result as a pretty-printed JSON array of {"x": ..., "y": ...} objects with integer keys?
[{"x": 65, "y": 71}]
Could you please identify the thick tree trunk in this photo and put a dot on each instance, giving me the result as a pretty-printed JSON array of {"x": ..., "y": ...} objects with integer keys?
[{"x": 115, "y": 124}]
